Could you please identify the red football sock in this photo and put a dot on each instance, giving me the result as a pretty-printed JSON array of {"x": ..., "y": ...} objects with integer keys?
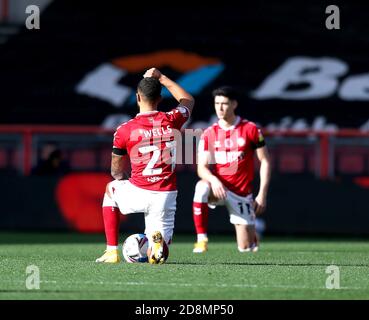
[
  {"x": 111, "y": 216},
  {"x": 200, "y": 216}
]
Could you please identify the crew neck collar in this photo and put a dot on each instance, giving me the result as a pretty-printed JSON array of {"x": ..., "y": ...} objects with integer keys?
[{"x": 234, "y": 125}]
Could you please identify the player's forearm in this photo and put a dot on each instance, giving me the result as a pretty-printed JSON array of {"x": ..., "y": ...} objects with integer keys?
[
  {"x": 265, "y": 174},
  {"x": 117, "y": 167},
  {"x": 117, "y": 175},
  {"x": 177, "y": 91},
  {"x": 204, "y": 173}
]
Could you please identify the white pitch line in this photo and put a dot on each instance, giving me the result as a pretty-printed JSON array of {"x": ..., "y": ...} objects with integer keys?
[{"x": 217, "y": 285}]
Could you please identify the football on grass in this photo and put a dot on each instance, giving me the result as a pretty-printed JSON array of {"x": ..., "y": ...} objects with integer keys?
[{"x": 135, "y": 247}]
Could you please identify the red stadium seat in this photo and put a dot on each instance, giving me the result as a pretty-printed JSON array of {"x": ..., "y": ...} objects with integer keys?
[
  {"x": 291, "y": 163},
  {"x": 351, "y": 163},
  {"x": 83, "y": 159},
  {"x": 312, "y": 163},
  {"x": 105, "y": 159},
  {"x": 3, "y": 159}
]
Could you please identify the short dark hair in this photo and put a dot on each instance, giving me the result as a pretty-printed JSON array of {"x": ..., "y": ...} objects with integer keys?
[
  {"x": 150, "y": 88},
  {"x": 226, "y": 91}
]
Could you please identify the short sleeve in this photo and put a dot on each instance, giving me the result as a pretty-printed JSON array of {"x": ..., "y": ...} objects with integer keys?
[
  {"x": 120, "y": 140},
  {"x": 257, "y": 138},
  {"x": 179, "y": 116},
  {"x": 204, "y": 142}
]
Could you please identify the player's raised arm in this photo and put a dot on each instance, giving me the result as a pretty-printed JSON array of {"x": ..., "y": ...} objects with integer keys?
[{"x": 180, "y": 94}]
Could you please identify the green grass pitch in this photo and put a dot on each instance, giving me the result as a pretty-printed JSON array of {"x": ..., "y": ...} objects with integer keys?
[{"x": 284, "y": 268}]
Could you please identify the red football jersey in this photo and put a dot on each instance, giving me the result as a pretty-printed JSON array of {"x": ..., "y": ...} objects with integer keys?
[
  {"x": 231, "y": 151},
  {"x": 150, "y": 141}
]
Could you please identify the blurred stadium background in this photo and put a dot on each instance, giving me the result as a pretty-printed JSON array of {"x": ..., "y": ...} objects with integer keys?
[{"x": 66, "y": 86}]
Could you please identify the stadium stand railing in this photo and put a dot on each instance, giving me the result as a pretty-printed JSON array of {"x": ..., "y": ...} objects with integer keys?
[{"x": 88, "y": 148}]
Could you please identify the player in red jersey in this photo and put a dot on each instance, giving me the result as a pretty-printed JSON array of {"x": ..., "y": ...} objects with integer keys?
[
  {"x": 229, "y": 145},
  {"x": 149, "y": 140}
]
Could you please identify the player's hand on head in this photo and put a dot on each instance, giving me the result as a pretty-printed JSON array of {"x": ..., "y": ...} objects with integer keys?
[
  {"x": 259, "y": 205},
  {"x": 153, "y": 72},
  {"x": 218, "y": 189}
]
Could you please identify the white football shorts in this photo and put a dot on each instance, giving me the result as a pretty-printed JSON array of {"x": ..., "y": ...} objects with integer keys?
[
  {"x": 240, "y": 209},
  {"x": 159, "y": 207}
]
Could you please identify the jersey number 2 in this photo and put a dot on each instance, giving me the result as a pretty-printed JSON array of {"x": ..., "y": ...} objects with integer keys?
[{"x": 149, "y": 170}]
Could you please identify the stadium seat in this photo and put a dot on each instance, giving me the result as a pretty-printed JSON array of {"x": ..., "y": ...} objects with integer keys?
[
  {"x": 105, "y": 158},
  {"x": 351, "y": 163},
  {"x": 291, "y": 163},
  {"x": 3, "y": 159},
  {"x": 83, "y": 159}
]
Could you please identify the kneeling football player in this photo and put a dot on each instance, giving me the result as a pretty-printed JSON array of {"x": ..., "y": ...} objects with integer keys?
[
  {"x": 226, "y": 168},
  {"x": 149, "y": 140}
]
